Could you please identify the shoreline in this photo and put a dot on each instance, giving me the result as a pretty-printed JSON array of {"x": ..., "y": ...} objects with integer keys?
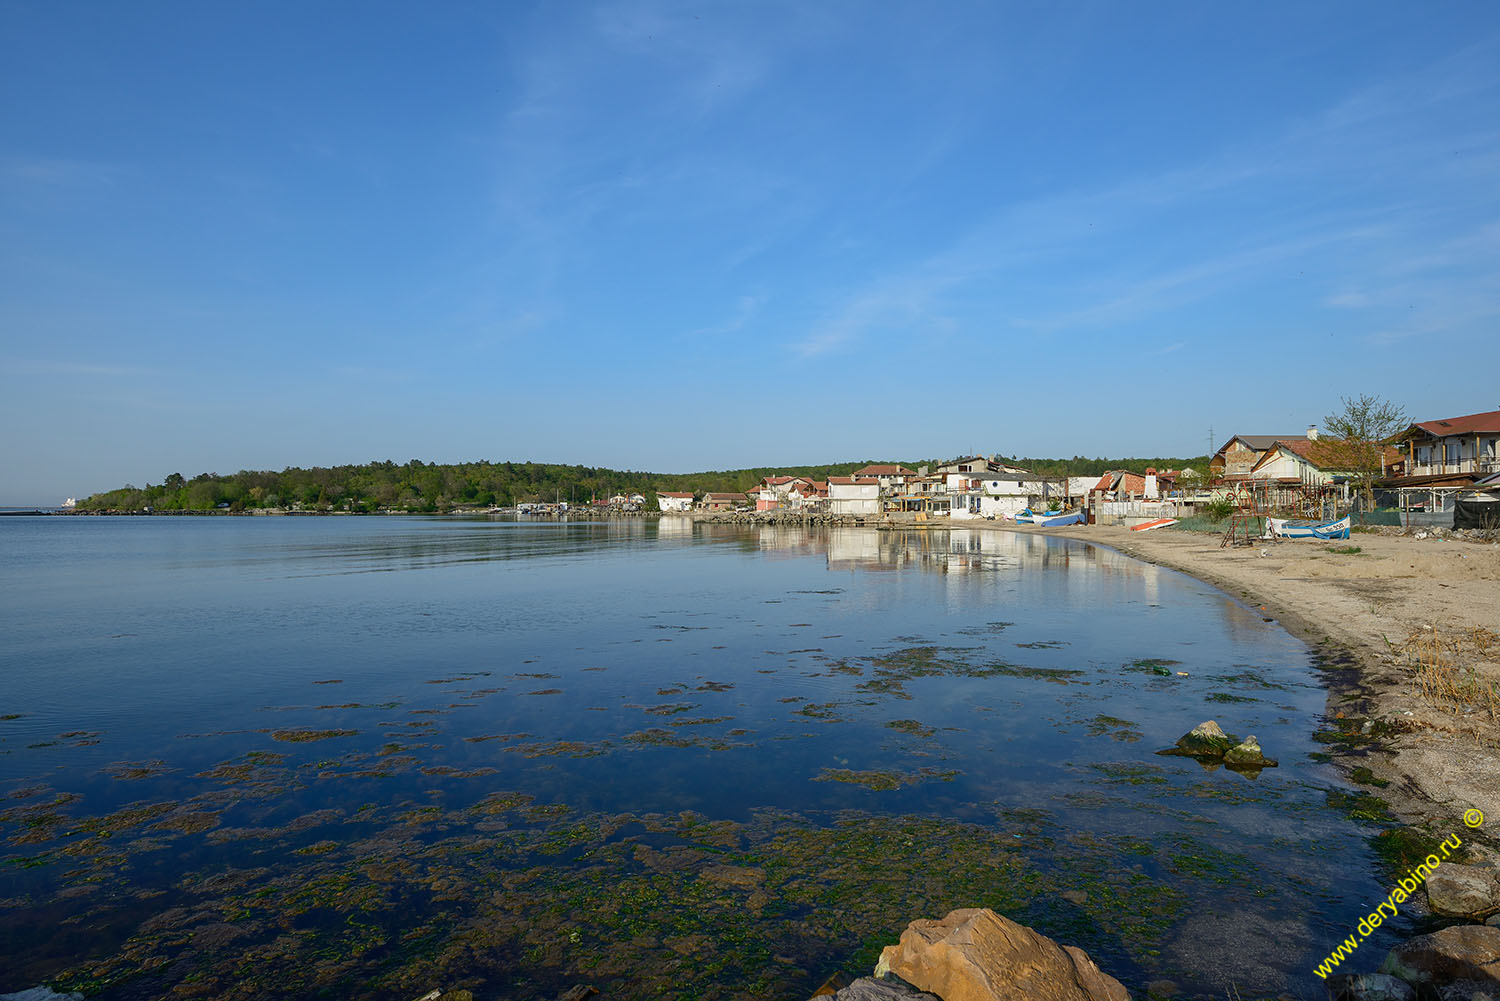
[{"x": 1354, "y": 610}]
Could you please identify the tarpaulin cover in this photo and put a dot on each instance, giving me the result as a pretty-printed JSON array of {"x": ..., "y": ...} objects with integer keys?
[{"x": 1476, "y": 514}]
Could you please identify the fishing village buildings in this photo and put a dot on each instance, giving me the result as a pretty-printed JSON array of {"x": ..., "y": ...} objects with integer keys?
[{"x": 1423, "y": 469}]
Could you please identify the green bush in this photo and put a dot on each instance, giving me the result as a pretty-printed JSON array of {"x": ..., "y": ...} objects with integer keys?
[{"x": 1217, "y": 509}]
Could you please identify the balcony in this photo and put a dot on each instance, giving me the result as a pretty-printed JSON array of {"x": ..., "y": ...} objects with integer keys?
[{"x": 1482, "y": 466}]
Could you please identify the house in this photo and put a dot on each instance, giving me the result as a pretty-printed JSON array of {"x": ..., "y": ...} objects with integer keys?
[
  {"x": 810, "y": 496},
  {"x": 671, "y": 500},
  {"x": 856, "y": 495},
  {"x": 890, "y": 477},
  {"x": 923, "y": 492},
  {"x": 1461, "y": 449},
  {"x": 721, "y": 501},
  {"x": 1238, "y": 456},
  {"x": 1007, "y": 494},
  {"x": 1308, "y": 461},
  {"x": 972, "y": 464},
  {"x": 781, "y": 492}
]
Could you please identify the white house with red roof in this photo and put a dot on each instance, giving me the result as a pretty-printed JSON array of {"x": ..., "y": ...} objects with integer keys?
[
  {"x": 1454, "y": 447},
  {"x": 777, "y": 492},
  {"x": 673, "y": 500}
]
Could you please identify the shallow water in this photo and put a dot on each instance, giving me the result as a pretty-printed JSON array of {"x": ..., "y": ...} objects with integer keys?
[{"x": 368, "y": 756}]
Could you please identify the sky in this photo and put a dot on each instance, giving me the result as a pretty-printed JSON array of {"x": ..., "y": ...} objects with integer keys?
[{"x": 677, "y": 237}]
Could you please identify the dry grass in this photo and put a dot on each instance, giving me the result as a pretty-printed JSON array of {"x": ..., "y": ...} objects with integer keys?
[{"x": 1444, "y": 676}]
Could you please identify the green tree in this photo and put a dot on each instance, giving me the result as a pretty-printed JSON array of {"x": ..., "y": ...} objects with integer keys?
[{"x": 1358, "y": 433}]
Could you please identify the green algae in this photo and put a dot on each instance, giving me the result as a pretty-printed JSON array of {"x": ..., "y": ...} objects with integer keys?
[
  {"x": 1401, "y": 849},
  {"x": 1056, "y": 675},
  {"x": 910, "y": 727},
  {"x": 1116, "y": 728},
  {"x": 1360, "y": 806},
  {"x": 706, "y": 908},
  {"x": 1230, "y": 699},
  {"x": 883, "y": 781},
  {"x": 307, "y": 736}
]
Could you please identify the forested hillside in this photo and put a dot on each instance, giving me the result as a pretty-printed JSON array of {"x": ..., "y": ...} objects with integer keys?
[{"x": 419, "y": 486}]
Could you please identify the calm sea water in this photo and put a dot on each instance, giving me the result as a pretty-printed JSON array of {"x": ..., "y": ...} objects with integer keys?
[{"x": 364, "y": 757}]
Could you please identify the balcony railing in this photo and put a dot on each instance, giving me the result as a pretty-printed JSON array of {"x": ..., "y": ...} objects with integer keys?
[{"x": 1482, "y": 466}]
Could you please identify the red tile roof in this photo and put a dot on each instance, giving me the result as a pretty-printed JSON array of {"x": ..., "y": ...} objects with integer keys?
[
  {"x": 845, "y": 481},
  {"x": 674, "y": 493},
  {"x": 1485, "y": 423}
]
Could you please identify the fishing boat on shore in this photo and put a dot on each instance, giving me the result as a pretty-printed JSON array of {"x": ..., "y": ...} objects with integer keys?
[
  {"x": 1281, "y": 528},
  {"x": 1147, "y": 526},
  {"x": 1049, "y": 519}
]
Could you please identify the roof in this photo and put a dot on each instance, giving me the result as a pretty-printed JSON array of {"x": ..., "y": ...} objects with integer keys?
[
  {"x": 884, "y": 470},
  {"x": 674, "y": 493},
  {"x": 723, "y": 496},
  {"x": 1485, "y": 423},
  {"x": 1262, "y": 442},
  {"x": 846, "y": 481}
]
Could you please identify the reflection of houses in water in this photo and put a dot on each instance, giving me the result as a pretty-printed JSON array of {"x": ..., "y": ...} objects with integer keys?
[
  {"x": 668, "y": 527},
  {"x": 791, "y": 540},
  {"x": 959, "y": 551}
]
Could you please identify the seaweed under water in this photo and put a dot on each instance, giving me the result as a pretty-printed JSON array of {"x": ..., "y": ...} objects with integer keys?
[{"x": 739, "y": 817}]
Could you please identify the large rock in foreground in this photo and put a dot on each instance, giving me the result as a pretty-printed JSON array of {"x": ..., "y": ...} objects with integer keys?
[
  {"x": 1459, "y": 952},
  {"x": 974, "y": 954},
  {"x": 1463, "y": 891}
]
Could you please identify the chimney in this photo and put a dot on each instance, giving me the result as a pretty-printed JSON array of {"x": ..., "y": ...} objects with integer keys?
[{"x": 1312, "y": 432}]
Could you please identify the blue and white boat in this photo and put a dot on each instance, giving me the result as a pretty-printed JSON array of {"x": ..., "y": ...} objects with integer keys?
[
  {"x": 1283, "y": 529},
  {"x": 1049, "y": 519}
]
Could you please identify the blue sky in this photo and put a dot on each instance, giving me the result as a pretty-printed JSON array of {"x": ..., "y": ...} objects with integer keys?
[{"x": 677, "y": 237}]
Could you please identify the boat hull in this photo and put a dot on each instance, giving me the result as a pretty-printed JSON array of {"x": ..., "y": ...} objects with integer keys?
[
  {"x": 1282, "y": 529},
  {"x": 1050, "y": 520},
  {"x": 1149, "y": 525}
]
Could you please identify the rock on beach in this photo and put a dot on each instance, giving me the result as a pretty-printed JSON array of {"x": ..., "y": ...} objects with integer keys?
[
  {"x": 1463, "y": 891},
  {"x": 1449, "y": 955},
  {"x": 974, "y": 954}
]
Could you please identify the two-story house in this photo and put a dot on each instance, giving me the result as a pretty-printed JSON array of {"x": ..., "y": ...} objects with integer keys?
[{"x": 1462, "y": 448}]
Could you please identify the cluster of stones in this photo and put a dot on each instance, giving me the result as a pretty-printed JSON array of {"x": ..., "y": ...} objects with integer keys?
[
  {"x": 1207, "y": 742},
  {"x": 1460, "y": 961}
]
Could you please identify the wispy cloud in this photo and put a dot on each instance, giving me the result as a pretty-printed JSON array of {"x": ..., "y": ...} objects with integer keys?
[
  {"x": 908, "y": 303},
  {"x": 1274, "y": 209}
]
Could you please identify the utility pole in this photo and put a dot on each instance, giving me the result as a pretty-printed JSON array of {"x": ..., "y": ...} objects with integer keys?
[{"x": 1210, "y": 452}]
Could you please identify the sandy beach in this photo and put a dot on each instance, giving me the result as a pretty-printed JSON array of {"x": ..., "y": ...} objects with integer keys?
[{"x": 1377, "y": 616}]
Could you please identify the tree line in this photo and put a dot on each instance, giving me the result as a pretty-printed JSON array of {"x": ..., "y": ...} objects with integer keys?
[{"x": 436, "y": 487}]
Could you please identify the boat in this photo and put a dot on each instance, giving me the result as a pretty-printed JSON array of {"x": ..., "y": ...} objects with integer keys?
[
  {"x": 1049, "y": 519},
  {"x": 1147, "y": 526},
  {"x": 1281, "y": 528}
]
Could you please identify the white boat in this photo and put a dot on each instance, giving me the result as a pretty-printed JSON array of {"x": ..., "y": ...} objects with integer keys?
[
  {"x": 1281, "y": 528},
  {"x": 1049, "y": 519}
]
